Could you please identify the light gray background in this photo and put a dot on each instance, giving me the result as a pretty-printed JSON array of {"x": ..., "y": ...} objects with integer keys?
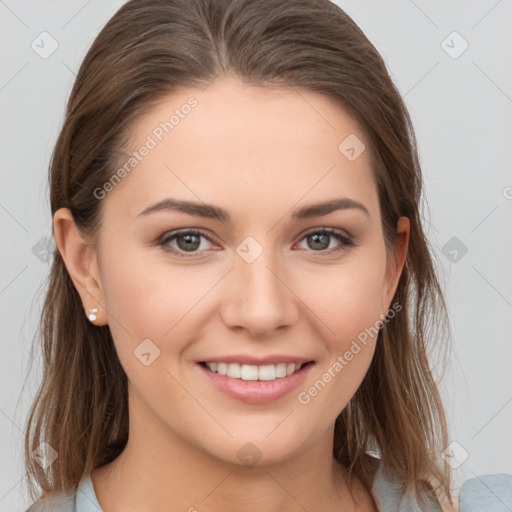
[{"x": 461, "y": 108}]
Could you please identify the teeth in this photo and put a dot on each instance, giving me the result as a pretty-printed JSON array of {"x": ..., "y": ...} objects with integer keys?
[
  {"x": 234, "y": 371},
  {"x": 249, "y": 372},
  {"x": 267, "y": 372},
  {"x": 281, "y": 370},
  {"x": 253, "y": 372}
]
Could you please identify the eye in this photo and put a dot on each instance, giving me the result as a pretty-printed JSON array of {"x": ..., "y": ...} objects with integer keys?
[
  {"x": 187, "y": 241},
  {"x": 320, "y": 239}
]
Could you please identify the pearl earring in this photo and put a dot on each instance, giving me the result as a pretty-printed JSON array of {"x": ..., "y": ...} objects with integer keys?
[{"x": 92, "y": 314}]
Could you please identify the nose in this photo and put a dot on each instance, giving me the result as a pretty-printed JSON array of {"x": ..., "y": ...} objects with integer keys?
[{"x": 258, "y": 297}]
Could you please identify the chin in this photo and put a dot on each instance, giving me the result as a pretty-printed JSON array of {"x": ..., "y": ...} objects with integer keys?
[{"x": 258, "y": 448}]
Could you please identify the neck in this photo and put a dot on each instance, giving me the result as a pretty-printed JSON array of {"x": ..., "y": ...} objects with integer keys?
[{"x": 157, "y": 466}]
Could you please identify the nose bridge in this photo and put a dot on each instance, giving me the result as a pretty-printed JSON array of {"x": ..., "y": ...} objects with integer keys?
[{"x": 258, "y": 299}]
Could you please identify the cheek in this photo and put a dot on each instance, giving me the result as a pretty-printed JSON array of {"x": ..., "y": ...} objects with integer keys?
[
  {"x": 348, "y": 303},
  {"x": 347, "y": 298},
  {"x": 149, "y": 298}
]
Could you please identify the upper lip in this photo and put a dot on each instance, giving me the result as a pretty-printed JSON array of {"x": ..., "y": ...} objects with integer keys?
[{"x": 257, "y": 361}]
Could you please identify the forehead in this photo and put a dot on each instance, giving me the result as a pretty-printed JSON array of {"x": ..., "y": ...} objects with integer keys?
[{"x": 247, "y": 146}]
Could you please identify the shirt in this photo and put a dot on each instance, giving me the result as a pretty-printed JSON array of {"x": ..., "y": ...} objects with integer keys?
[{"x": 489, "y": 493}]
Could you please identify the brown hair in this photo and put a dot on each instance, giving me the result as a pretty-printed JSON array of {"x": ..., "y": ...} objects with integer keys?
[{"x": 148, "y": 50}]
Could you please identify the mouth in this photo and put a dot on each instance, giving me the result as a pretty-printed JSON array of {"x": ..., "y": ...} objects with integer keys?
[
  {"x": 250, "y": 372},
  {"x": 253, "y": 383}
]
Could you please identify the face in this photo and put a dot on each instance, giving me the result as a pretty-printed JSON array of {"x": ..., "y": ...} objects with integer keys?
[{"x": 250, "y": 279}]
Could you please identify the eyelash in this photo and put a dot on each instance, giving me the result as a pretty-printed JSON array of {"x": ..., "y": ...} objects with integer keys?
[{"x": 338, "y": 235}]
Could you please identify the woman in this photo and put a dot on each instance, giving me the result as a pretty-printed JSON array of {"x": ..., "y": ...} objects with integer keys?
[{"x": 242, "y": 292}]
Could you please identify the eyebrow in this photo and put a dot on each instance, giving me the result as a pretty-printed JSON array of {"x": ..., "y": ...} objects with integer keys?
[{"x": 215, "y": 212}]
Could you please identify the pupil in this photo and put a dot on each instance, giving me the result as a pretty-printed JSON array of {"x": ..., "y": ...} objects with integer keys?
[
  {"x": 189, "y": 242},
  {"x": 317, "y": 236}
]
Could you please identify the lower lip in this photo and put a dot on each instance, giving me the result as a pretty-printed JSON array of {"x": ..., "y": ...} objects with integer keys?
[{"x": 256, "y": 391}]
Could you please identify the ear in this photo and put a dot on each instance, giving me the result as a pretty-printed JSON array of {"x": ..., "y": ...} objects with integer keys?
[
  {"x": 396, "y": 261},
  {"x": 81, "y": 261}
]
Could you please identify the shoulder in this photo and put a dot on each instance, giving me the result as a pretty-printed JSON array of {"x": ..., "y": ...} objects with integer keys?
[
  {"x": 54, "y": 502},
  {"x": 392, "y": 495},
  {"x": 489, "y": 493},
  {"x": 492, "y": 493},
  {"x": 82, "y": 500}
]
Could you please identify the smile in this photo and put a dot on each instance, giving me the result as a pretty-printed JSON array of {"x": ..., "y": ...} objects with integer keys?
[
  {"x": 252, "y": 383},
  {"x": 254, "y": 372}
]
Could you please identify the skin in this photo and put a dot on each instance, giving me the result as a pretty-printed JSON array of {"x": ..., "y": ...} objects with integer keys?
[{"x": 259, "y": 154}]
